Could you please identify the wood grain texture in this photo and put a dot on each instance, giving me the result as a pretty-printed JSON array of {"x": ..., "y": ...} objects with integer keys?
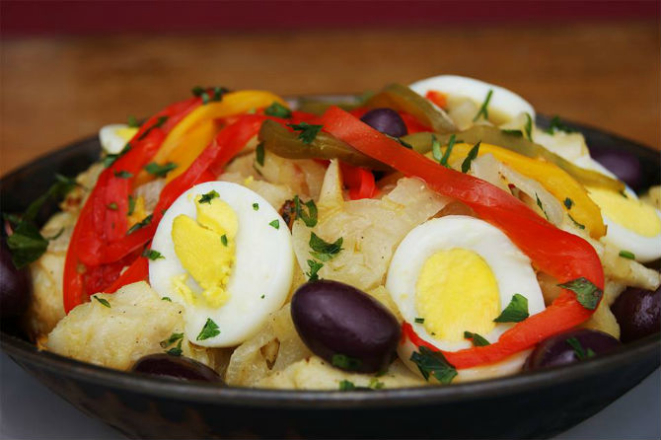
[{"x": 57, "y": 90}]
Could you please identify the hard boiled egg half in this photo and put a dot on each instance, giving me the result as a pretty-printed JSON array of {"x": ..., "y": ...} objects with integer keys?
[
  {"x": 114, "y": 137},
  {"x": 456, "y": 274},
  {"x": 227, "y": 257},
  {"x": 503, "y": 106},
  {"x": 633, "y": 226}
]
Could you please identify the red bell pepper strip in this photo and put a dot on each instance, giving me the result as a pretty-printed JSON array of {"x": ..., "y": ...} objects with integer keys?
[
  {"x": 137, "y": 271},
  {"x": 359, "y": 181},
  {"x": 437, "y": 98},
  {"x": 556, "y": 252}
]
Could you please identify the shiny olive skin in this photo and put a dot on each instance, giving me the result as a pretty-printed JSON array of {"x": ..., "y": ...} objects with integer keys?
[
  {"x": 638, "y": 312},
  {"x": 177, "y": 367},
  {"x": 345, "y": 326},
  {"x": 625, "y": 165},
  {"x": 556, "y": 351},
  {"x": 385, "y": 120},
  {"x": 15, "y": 286}
]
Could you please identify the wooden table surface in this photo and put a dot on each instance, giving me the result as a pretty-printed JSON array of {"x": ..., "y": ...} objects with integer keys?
[{"x": 59, "y": 89}]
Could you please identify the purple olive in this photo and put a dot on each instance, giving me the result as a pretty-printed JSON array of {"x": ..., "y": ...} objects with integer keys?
[
  {"x": 570, "y": 347},
  {"x": 625, "y": 165},
  {"x": 385, "y": 120},
  {"x": 177, "y": 367},
  {"x": 638, "y": 313},
  {"x": 346, "y": 327},
  {"x": 15, "y": 287}
]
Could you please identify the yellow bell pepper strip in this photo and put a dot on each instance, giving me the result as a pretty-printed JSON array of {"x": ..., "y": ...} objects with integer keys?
[
  {"x": 192, "y": 135},
  {"x": 556, "y": 181}
]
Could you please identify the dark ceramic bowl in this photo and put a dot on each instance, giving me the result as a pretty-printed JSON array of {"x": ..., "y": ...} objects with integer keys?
[{"x": 537, "y": 404}]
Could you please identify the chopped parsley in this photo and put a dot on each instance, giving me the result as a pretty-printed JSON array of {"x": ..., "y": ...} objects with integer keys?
[
  {"x": 259, "y": 154},
  {"x": 152, "y": 254},
  {"x": 419, "y": 320},
  {"x": 478, "y": 340},
  {"x": 123, "y": 174},
  {"x": 472, "y": 154},
  {"x": 436, "y": 149},
  {"x": 577, "y": 224},
  {"x": 203, "y": 92},
  {"x": 484, "y": 108},
  {"x": 376, "y": 384},
  {"x": 517, "y": 133},
  {"x": 309, "y": 218},
  {"x": 174, "y": 337},
  {"x": 275, "y": 223},
  {"x": 26, "y": 243},
  {"x": 263, "y": 296},
  {"x": 159, "y": 123},
  {"x": 557, "y": 125},
  {"x": 308, "y": 132},
  {"x": 277, "y": 110},
  {"x": 516, "y": 310},
  {"x": 433, "y": 363},
  {"x": 627, "y": 254},
  {"x": 323, "y": 250},
  {"x": 133, "y": 122},
  {"x": 448, "y": 151},
  {"x": 568, "y": 203},
  {"x": 586, "y": 293},
  {"x": 103, "y": 302},
  {"x": 175, "y": 351},
  {"x": 255, "y": 206},
  {"x": 400, "y": 142},
  {"x": 208, "y": 197},
  {"x": 166, "y": 298},
  {"x": 160, "y": 170},
  {"x": 223, "y": 240},
  {"x": 528, "y": 126},
  {"x": 110, "y": 159},
  {"x": 346, "y": 362},
  {"x": 346, "y": 385},
  {"x": 141, "y": 224},
  {"x": 315, "y": 267},
  {"x": 112, "y": 206},
  {"x": 539, "y": 203},
  {"x": 209, "y": 330},
  {"x": 131, "y": 205},
  {"x": 580, "y": 352}
]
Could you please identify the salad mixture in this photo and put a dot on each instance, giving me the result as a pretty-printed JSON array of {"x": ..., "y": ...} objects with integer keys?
[{"x": 423, "y": 234}]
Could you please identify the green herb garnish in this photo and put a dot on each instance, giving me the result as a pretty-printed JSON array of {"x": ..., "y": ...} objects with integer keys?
[
  {"x": 484, "y": 108},
  {"x": 419, "y": 320},
  {"x": 152, "y": 254},
  {"x": 376, "y": 384},
  {"x": 208, "y": 197},
  {"x": 203, "y": 92},
  {"x": 315, "y": 267},
  {"x": 478, "y": 340},
  {"x": 308, "y": 132},
  {"x": 557, "y": 125},
  {"x": 275, "y": 224},
  {"x": 568, "y": 203},
  {"x": 131, "y": 205},
  {"x": 539, "y": 203},
  {"x": 586, "y": 293},
  {"x": 223, "y": 240},
  {"x": 578, "y": 225},
  {"x": 260, "y": 153},
  {"x": 324, "y": 250},
  {"x": 112, "y": 206},
  {"x": 278, "y": 110},
  {"x": 433, "y": 363},
  {"x": 166, "y": 298},
  {"x": 103, "y": 302},
  {"x": 174, "y": 337},
  {"x": 175, "y": 351},
  {"x": 516, "y": 310},
  {"x": 141, "y": 224},
  {"x": 346, "y": 362},
  {"x": 123, "y": 174},
  {"x": 528, "y": 126},
  {"x": 255, "y": 206},
  {"x": 111, "y": 158},
  {"x": 133, "y": 122},
  {"x": 472, "y": 154},
  {"x": 627, "y": 254},
  {"x": 436, "y": 149},
  {"x": 517, "y": 133},
  {"x": 160, "y": 170},
  {"x": 159, "y": 123},
  {"x": 448, "y": 151},
  {"x": 209, "y": 330},
  {"x": 309, "y": 218},
  {"x": 580, "y": 352},
  {"x": 346, "y": 385}
]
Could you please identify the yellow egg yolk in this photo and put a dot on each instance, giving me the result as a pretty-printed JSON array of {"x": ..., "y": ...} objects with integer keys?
[
  {"x": 126, "y": 133},
  {"x": 205, "y": 248},
  {"x": 456, "y": 291},
  {"x": 627, "y": 212}
]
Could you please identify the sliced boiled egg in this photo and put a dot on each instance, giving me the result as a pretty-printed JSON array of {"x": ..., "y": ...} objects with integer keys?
[
  {"x": 227, "y": 257},
  {"x": 634, "y": 227},
  {"x": 114, "y": 137},
  {"x": 456, "y": 274},
  {"x": 504, "y": 105}
]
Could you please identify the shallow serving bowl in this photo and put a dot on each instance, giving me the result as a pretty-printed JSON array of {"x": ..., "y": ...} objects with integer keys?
[{"x": 538, "y": 404}]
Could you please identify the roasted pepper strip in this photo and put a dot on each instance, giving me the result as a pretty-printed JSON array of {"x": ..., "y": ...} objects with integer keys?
[
  {"x": 558, "y": 253},
  {"x": 560, "y": 184},
  {"x": 518, "y": 144},
  {"x": 359, "y": 181},
  {"x": 402, "y": 98}
]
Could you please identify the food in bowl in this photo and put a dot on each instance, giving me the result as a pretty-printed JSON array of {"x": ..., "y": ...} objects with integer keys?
[{"x": 425, "y": 235}]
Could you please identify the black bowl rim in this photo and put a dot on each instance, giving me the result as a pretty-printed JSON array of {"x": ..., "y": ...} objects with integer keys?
[{"x": 28, "y": 354}]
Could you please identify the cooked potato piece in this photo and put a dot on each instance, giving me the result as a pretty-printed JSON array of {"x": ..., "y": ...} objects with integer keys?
[{"x": 133, "y": 325}]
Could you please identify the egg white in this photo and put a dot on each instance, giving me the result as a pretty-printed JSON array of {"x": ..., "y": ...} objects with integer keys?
[
  {"x": 261, "y": 274},
  {"x": 111, "y": 142},
  {"x": 509, "y": 265},
  {"x": 502, "y": 100}
]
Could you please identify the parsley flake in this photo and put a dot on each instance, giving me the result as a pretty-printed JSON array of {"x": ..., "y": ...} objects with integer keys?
[
  {"x": 345, "y": 362},
  {"x": 112, "y": 206},
  {"x": 579, "y": 351},
  {"x": 174, "y": 337},
  {"x": 166, "y": 298},
  {"x": 315, "y": 267},
  {"x": 448, "y": 151},
  {"x": 528, "y": 126},
  {"x": 517, "y": 133},
  {"x": 516, "y": 310},
  {"x": 123, "y": 174},
  {"x": 539, "y": 203},
  {"x": 158, "y": 124},
  {"x": 208, "y": 197},
  {"x": 209, "y": 330},
  {"x": 133, "y": 122},
  {"x": 308, "y": 132},
  {"x": 568, "y": 203},
  {"x": 160, "y": 170},
  {"x": 141, "y": 224},
  {"x": 433, "y": 363},
  {"x": 277, "y": 110},
  {"x": 557, "y": 125},
  {"x": 472, "y": 154},
  {"x": 586, "y": 293},
  {"x": 484, "y": 108},
  {"x": 204, "y": 93},
  {"x": 436, "y": 149},
  {"x": 376, "y": 384},
  {"x": 110, "y": 159},
  {"x": 260, "y": 153},
  {"x": 577, "y": 224},
  {"x": 152, "y": 254},
  {"x": 323, "y": 250},
  {"x": 627, "y": 254},
  {"x": 255, "y": 206},
  {"x": 419, "y": 320},
  {"x": 175, "y": 351},
  {"x": 309, "y": 218},
  {"x": 103, "y": 302},
  {"x": 275, "y": 224},
  {"x": 346, "y": 385},
  {"x": 478, "y": 340},
  {"x": 223, "y": 240}
]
